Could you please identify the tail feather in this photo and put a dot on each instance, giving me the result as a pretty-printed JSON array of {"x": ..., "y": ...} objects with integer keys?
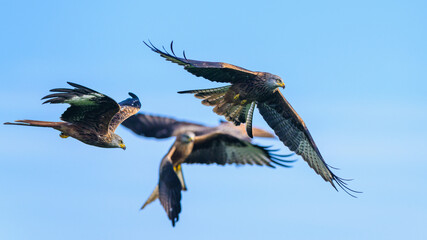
[
  {"x": 222, "y": 107},
  {"x": 233, "y": 114},
  {"x": 214, "y": 99},
  {"x": 154, "y": 195},
  {"x": 228, "y": 103},
  {"x": 35, "y": 123}
]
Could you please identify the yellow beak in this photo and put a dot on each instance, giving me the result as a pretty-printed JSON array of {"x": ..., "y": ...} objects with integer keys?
[
  {"x": 282, "y": 84},
  {"x": 122, "y": 146}
]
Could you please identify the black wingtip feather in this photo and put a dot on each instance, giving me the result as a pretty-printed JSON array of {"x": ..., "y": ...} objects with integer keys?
[
  {"x": 277, "y": 158},
  {"x": 187, "y": 91},
  {"x": 172, "y": 48},
  {"x": 343, "y": 185}
]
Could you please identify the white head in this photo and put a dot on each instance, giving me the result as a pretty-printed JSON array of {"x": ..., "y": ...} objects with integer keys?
[
  {"x": 187, "y": 137},
  {"x": 117, "y": 142},
  {"x": 274, "y": 82}
]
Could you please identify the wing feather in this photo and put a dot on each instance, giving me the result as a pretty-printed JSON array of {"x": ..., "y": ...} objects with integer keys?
[
  {"x": 292, "y": 131},
  {"x": 213, "y": 71},
  {"x": 221, "y": 148},
  {"x": 128, "y": 107},
  {"x": 169, "y": 189},
  {"x": 160, "y": 127},
  {"x": 88, "y": 107}
]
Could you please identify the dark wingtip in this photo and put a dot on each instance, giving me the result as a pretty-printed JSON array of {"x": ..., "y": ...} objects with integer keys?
[
  {"x": 186, "y": 91},
  {"x": 343, "y": 185},
  {"x": 133, "y": 95},
  {"x": 75, "y": 85},
  {"x": 172, "y": 48}
]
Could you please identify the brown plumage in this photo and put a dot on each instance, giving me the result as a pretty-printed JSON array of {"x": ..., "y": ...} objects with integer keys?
[
  {"x": 92, "y": 117},
  {"x": 164, "y": 127},
  {"x": 248, "y": 89},
  {"x": 214, "y": 147}
]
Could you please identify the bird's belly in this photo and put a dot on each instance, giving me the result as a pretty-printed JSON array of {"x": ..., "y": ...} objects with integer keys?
[{"x": 87, "y": 136}]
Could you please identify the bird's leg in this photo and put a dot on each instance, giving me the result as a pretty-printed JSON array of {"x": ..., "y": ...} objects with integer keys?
[
  {"x": 63, "y": 135},
  {"x": 249, "y": 118},
  {"x": 237, "y": 99},
  {"x": 178, "y": 171}
]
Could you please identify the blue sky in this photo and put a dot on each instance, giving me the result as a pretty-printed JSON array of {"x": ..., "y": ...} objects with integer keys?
[{"x": 354, "y": 71}]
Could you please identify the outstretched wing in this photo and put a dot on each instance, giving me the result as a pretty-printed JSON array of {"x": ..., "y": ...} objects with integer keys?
[
  {"x": 88, "y": 107},
  {"x": 169, "y": 189},
  {"x": 221, "y": 148},
  {"x": 213, "y": 71},
  {"x": 128, "y": 107},
  {"x": 160, "y": 127},
  {"x": 291, "y": 130}
]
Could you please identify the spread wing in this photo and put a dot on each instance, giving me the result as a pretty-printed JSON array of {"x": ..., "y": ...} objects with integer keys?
[
  {"x": 128, "y": 107},
  {"x": 213, "y": 71},
  {"x": 160, "y": 127},
  {"x": 88, "y": 107},
  {"x": 224, "y": 149},
  {"x": 291, "y": 130},
  {"x": 169, "y": 189}
]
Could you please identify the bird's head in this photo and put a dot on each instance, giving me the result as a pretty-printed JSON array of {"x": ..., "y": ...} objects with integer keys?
[
  {"x": 274, "y": 82},
  {"x": 117, "y": 142},
  {"x": 187, "y": 137}
]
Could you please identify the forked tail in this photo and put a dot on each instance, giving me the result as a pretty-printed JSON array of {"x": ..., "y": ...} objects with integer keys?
[{"x": 35, "y": 123}]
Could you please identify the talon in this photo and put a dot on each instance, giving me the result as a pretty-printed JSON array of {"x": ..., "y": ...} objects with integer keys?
[
  {"x": 177, "y": 168},
  {"x": 62, "y": 135},
  {"x": 236, "y": 97}
]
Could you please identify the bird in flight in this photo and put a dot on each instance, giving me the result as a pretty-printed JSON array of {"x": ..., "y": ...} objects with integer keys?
[
  {"x": 250, "y": 89},
  {"x": 92, "y": 117},
  {"x": 148, "y": 125},
  {"x": 195, "y": 143}
]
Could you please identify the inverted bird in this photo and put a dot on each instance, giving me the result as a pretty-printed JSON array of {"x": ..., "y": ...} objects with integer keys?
[
  {"x": 250, "y": 89},
  {"x": 214, "y": 147},
  {"x": 92, "y": 117}
]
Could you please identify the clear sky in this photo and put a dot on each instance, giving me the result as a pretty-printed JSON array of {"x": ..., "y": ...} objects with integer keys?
[{"x": 354, "y": 70}]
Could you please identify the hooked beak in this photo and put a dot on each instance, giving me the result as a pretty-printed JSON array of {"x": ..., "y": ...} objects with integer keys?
[
  {"x": 282, "y": 84},
  {"x": 122, "y": 146}
]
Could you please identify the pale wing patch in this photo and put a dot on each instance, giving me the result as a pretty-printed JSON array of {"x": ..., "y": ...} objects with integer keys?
[{"x": 84, "y": 100}]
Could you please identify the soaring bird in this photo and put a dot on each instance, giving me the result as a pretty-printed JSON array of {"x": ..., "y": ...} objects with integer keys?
[
  {"x": 92, "y": 117},
  {"x": 160, "y": 127},
  {"x": 217, "y": 147},
  {"x": 250, "y": 89}
]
